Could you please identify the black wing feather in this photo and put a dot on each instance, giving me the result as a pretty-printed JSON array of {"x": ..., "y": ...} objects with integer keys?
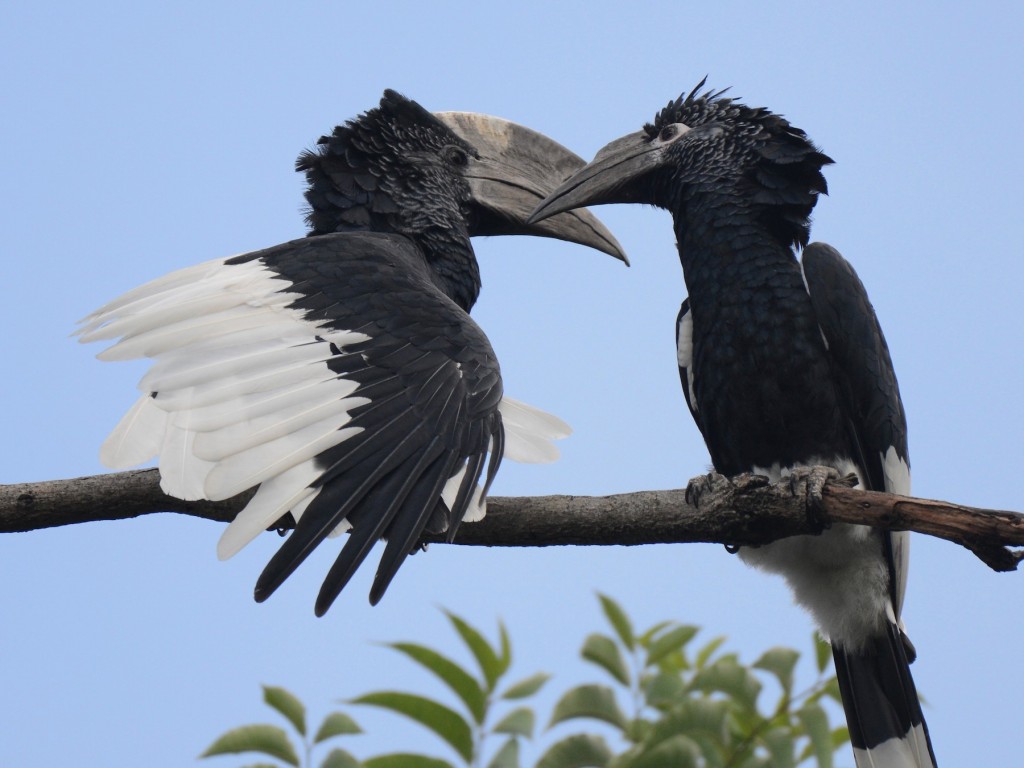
[
  {"x": 863, "y": 372},
  {"x": 433, "y": 386},
  {"x": 416, "y": 511},
  {"x": 860, "y": 356}
]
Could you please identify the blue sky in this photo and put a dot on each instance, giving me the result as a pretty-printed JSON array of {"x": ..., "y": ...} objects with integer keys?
[{"x": 138, "y": 138}]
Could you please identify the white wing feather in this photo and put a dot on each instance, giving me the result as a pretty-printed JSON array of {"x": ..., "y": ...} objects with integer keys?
[
  {"x": 240, "y": 394},
  {"x": 243, "y": 392}
]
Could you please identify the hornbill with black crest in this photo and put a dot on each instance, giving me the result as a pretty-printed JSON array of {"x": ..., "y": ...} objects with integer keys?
[
  {"x": 783, "y": 365},
  {"x": 341, "y": 372}
]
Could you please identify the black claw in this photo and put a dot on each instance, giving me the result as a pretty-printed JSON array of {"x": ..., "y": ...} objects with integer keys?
[
  {"x": 816, "y": 486},
  {"x": 699, "y": 486},
  {"x": 694, "y": 490},
  {"x": 809, "y": 482}
]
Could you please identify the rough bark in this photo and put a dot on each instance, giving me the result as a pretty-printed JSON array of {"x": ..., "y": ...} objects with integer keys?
[{"x": 743, "y": 511}]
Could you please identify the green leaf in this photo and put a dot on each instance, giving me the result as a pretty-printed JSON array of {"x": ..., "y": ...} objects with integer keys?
[
  {"x": 831, "y": 688},
  {"x": 339, "y": 758},
  {"x": 602, "y": 650},
  {"x": 265, "y": 739},
  {"x": 780, "y": 662},
  {"x": 678, "y": 751},
  {"x": 518, "y": 722},
  {"x": 708, "y": 650},
  {"x": 445, "y": 722},
  {"x": 781, "y": 746},
  {"x": 526, "y": 687},
  {"x": 638, "y": 729},
  {"x": 705, "y": 722},
  {"x": 490, "y": 665},
  {"x": 840, "y": 736},
  {"x": 583, "y": 750},
  {"x": 730, "y": 677},
  {"x": 815, "y": 722},
  {"x": 405, "y": 760},
  {"x": 288, "y": 705},
  {"x": 694, "y": 716},
  {"x": 464, "y": 685},
  {"x": 646, "y": 637},
  {"x": 664, "y": 689},
  {"x": 592, "y": 701},
  {"x": 669, "y": 642},
  {"x": 619, "y": 620},
  {"x": 822, "y": 652},
  {"x": 505, "y": 659},
  {"x": 336, "y": 724},
  {"x": 507, "y": 756},
  {"x": 750, "y": 722}
]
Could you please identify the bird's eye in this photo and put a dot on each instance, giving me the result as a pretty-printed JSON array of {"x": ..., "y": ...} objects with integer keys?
[
  {"x": 673, "y": 132},
  {"x": 456, "y": 156}
]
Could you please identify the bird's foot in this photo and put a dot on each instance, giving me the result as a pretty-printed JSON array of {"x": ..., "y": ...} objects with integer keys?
[
  {"x": 750, "y": 480},
  {"x": 706, "y": 486},
  {"x": 809, "y": 483},
  {"x": 710, "y": 489}
]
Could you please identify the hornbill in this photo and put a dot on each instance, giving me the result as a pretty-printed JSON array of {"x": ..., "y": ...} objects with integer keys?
[
  {"x": 341, "y": 372},
  {"x": 783, "y": 365}
]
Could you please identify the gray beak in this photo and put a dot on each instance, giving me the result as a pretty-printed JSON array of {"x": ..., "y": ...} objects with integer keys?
[
  {"x": 615, "y": 175},
  {"x": 517, "y": 168}
]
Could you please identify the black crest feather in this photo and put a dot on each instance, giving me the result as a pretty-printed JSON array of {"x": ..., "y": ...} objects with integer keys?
[
  {"x": 355, "y": 175},
  {"x": 783, "y": 166}
]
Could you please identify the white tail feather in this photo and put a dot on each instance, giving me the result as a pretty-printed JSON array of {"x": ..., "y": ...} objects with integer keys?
[
  {"x": 533, "y": 419},
  {"x": 529, "y": 432},
  {"x": 529, "y": 449}
]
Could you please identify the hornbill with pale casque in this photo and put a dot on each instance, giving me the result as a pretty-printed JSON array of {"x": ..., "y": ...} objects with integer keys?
[
  {"x": 783, "y": 365},
  {"x": 341, "y": 372}
]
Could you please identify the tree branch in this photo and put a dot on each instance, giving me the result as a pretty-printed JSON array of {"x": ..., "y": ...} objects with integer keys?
[{"x": 744, "y": 511}]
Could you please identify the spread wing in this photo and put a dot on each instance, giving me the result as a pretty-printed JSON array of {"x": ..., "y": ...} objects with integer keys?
[{"x": 331, "y": 372}]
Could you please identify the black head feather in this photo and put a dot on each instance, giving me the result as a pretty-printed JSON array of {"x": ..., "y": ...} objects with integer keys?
[
  {"x": 775, "y": 165},
  {"x": 381, "y": 171}
]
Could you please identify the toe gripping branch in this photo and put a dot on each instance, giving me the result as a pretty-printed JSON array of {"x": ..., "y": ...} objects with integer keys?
[{"x": 748, "y": 494}]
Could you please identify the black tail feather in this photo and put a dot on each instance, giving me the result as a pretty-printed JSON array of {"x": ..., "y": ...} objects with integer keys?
[{"x": 881, "y": 703}]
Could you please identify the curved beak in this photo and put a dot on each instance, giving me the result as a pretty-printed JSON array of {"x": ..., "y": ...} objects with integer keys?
[
  {"x": 516, "y": 168},
  {"x": 615, "y": 175}
]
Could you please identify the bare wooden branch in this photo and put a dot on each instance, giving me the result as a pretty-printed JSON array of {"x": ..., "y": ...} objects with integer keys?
[{"x": 746, "y": 510}]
